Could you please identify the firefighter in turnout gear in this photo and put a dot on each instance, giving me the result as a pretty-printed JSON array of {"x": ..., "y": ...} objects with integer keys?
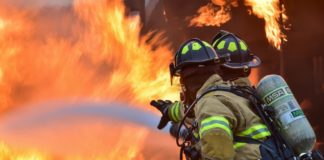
[{"x": 220, "y": 115}]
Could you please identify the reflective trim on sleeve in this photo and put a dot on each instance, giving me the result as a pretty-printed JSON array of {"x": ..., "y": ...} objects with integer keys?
[
  {"x": 238, "y": 145},
  {"x": 258, "y": 131},
  {"x": 175, "y": 112},
  {"x": 214, "y": 122}
]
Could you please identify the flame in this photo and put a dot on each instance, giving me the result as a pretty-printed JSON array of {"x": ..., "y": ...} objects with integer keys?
[
  {"x": 100, "y": 58},
  {"x": 9, "y": 154},
  {"x": 93, "y": 52},
  {"x": 213, "y": 14},
  {"x": 2, "y": 24},
  {"x": 125, "y": 147},
  {"x": 269, "y": 10}
]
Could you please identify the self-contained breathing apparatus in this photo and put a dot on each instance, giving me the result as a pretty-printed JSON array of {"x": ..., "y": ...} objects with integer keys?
[{"x": 275, "y": 147}]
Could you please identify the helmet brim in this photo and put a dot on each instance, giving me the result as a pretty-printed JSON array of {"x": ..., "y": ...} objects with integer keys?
[
  {"x": 178, "y": 68},
  {"x": 252, "y": 64}
]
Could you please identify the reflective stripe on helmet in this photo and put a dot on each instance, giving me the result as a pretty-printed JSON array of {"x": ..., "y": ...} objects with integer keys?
[
  {"x": 196, "y": 46},
  {"x": 185, "y": 49},
  {"x": 243, "y": 46},
  {"x": 213, "y": 123},
  {"x": 232, "y": 47},
  {"x": 221, "y": 45}
]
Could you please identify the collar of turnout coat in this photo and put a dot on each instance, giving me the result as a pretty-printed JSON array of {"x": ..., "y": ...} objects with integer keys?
[{"x": 215, "y": 80}]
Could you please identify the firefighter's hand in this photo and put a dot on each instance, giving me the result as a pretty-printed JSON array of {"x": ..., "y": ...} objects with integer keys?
[{"x": 163, "y": 107}]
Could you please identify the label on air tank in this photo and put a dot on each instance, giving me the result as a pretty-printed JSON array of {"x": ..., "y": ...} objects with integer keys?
[
  {"x": 288, "y": 117},
  {"x": 276, "y": 95}
]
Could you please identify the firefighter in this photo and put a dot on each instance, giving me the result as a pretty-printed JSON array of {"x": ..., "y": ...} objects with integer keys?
[{"x": 220, "y": 115}]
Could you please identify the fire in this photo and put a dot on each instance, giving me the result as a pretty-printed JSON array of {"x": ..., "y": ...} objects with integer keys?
[
  {"x": 269, "y": 10},
  {"x": 2, "y": 24},
  {"x": 9, "y": 154},
  {"x": 101, "y": 57},
  {"x": 90, "y": 51},
  {"x": 125, "y": 147},
  {"x": 211, "y": 15}
]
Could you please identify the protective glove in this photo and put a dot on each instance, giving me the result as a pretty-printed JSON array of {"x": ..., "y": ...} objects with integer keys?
[{"x": 163, "y": 107}]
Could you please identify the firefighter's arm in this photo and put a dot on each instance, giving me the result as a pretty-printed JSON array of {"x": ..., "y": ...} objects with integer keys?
[{"x": 216, "y": 122}]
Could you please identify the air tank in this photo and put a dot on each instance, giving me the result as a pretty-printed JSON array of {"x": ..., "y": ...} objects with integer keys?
[{"x": 291, "y": 121}]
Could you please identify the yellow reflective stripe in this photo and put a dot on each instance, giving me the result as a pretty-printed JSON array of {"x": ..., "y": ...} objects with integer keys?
[
  {"x": 261, "y": 135},
  {"x": 258, "y": 131},
  {"x": 253, "y": 129},
  {"x": 215, "y": 122},
  {"x": 175, "y": 112},
  {"x": 219, "y": 118},
  {"x": 213, "y": 126},
  {"x": 171, "y": 113},
  {"x": 238, "y": 145}
]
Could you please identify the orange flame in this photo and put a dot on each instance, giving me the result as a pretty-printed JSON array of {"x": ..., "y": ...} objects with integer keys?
[
  {"x": 100, "y": 58},
  {"x": 7, "y": 153},
  {"x": 269, "y": 10},
  {"x": 211, "y": 15},
  {"x": 127, "y": 146},
  {"x": 92, "y": 52}
]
